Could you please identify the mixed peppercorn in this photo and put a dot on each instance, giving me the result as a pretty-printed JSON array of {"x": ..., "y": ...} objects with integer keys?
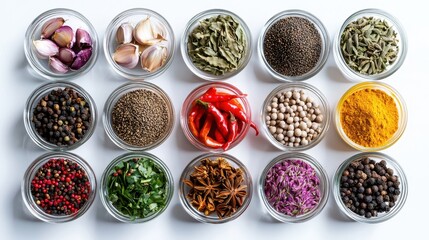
[
  {"x": 60, "y": 187},
  {"x": 217, "y": 118}
]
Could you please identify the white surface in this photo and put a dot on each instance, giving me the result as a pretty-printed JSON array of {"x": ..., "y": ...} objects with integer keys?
[{"x": 18, "y": 151}]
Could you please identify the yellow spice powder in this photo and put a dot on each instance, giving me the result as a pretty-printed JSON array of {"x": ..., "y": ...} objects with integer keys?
[{"x": 369, "y": 117}]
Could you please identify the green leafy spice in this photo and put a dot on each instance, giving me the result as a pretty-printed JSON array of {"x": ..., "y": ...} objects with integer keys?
[
  {"x": 217, "y": 45},
  {"x": 138, "y": 187}
]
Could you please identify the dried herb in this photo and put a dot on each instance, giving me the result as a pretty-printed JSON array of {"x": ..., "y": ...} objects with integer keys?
[
  {"x": 216, "y": 186},
  {"x": 369, "y": 45},
  {"x": 137, "y": 188},
  {"x": 217, "y": 45},
  {"x": 292, "y": 187}
]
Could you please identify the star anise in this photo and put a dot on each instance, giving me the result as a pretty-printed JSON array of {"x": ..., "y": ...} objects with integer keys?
[
  {"x": 207, "y": 187},
  {"x": 233, "y": 193}
]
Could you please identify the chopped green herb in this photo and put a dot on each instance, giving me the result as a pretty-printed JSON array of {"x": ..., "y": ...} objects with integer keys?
[{"x": 138, "y": 187}]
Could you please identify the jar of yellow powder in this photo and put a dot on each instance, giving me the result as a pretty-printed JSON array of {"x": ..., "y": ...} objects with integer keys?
[{"x": 371, "y": 116}]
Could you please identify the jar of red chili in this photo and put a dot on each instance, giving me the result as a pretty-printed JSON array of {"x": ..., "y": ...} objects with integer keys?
[
  {"x": 58, "y": 187},
  {"x": 215, "y": 117}
]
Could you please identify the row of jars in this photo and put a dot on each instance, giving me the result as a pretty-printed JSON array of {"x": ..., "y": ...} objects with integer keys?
[{"x": 140, "y": 44}]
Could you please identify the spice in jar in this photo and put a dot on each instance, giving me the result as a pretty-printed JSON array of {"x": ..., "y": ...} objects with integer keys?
[
  {"x": 369, "y": 45},
  {"x": 291, "y": 187},
  {"x": 293, "y": 118},
  {"x": 216, "y": 118},
  {"x": 216, "y": 186},
  {"x": 217, "y": 45},
  {"x": 146, "y": 42},
  {"x": 137, "y": 188},
  {"x": 62, "y": 117},
  {"x": 140, "y": 117},
  {"x": 66, "y": 49},
  {"x": 369, "y": 117},
  {"x": 292, "y": 46},
  {"x": 368, "y": 187},
  {"x": 60, "y": 187}
]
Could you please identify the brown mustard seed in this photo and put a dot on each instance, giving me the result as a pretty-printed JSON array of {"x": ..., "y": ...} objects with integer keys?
[{"x": 140, "y": 118}]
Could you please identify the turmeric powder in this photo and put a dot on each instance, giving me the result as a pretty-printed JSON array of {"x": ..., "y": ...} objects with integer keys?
[{"x": 369, "y": 117}]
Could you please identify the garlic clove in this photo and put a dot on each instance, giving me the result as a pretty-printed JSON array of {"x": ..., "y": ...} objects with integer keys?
[
  {"x": 45, "y": 48},
  {"x": 153, "y": 58},
  {"x": 83, "y": 39},
  {"x": 159, "y": 31},
  {"x": 63, "y": 36},
  {"x": 66, "y": 55},
  {"x": 124, "y": 34},
  {"x": 144, "y": 34},
  {"x": 127, "y": 55},
  {"x": 81, "y": 59},
  {"x": 57, "y": 66},
  {"x": 50, "y": 26}
]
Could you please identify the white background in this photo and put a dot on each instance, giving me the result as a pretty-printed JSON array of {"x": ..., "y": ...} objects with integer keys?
[{"x": 18, "y": 151}]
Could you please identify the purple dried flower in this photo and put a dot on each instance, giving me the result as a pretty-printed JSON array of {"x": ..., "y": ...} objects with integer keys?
[{"x": 292, "y": 187}]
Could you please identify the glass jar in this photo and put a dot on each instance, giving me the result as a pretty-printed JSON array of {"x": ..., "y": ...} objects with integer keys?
[
  {"x": 354, "y": 75},
  {"x": 400, "y": 104},
  {"x": 189, "y": 102},
  {"x": 110, "y": 169},
  {"x": 133, "y": 17},
  {"x": 27, "y": 186},
  {"x": 73, "y": 19},
  {"x": 324, "y": 48},
  {"x": 35, "y": 99},
  {"x": 194, "y": 23},
  {"x": 213, "y": 217},
  {"x": 377, "y": 157},
  {"x": 111, "y": 102},
  {"x": 323, "y": 187},
  {"x": 313, "y": 94}
]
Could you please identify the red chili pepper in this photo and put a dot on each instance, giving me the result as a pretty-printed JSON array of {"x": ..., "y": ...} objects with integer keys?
[
  {"x": 233, "y": 131},
  {"x": 197, "y": 120},
  {"x": 218, "y": 136},
  {"x": 195, "y": 110},
  {"x": 238, "y": 113},
  {"x": 213, "y": 98},
  {"x": 218, "y": 117},
  {"x": 208, "y": 141}
]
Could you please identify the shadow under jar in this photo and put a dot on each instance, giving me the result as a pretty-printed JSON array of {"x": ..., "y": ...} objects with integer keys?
[
  {"x": 295, "y": 116},
  {"x": 293, "y": 45},
  {"x": 58, "y": 187},
  {"x": 371, "y": 116},
  {"x": 136, "y": 187},
  {"x": 215, "y": 188},
  {"x": 370, "y": 187},
  {"x": 216, "y": 53},
  {"x": 370, "y": 45},
  {"x": 294, "y": 187},
  {"x": 60, "y": 116},
  {"x": 61, "y": 44},
  {"x": 197, "y": 117},
  {"x": 138, "y": 116},
  {"x": 139, "y": 44}
]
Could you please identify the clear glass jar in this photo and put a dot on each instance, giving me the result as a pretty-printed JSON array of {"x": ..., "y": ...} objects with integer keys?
[
  {"x": 324, "y": 52},
  {"x": 113, "y": 99},
  {"x": 402, "y": 51},
  {"x": 104, "y": 192},
  {"x": 400, "y": 104},
  {"x": 311, "y": 92},
  {"x": 323, "y": 188},
  {"x": 35, "y": 98},
  {"x": 193, "y": 23},
  {"x": 397, "y": 170},
  {"x": 74, "y": 20},
  {"x": 33, "y": 169},
  {"x": 189, "y": 102},
  {"x": 134, "y": 16},
  {"x": 184, "y": 188}
]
